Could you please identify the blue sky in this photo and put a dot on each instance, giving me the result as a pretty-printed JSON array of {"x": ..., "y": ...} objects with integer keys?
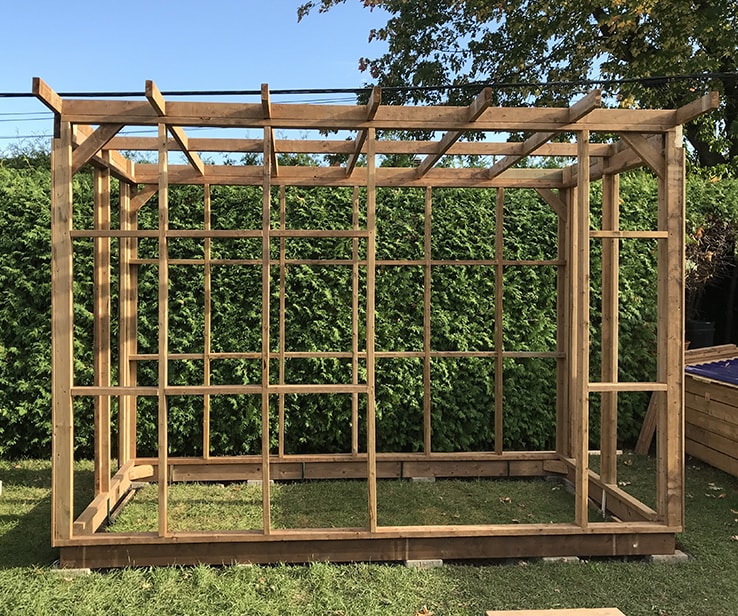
[{"x": 81, "y": 45}]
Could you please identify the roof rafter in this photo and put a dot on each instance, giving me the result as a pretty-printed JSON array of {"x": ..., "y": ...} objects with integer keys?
[
  {"x": 475, "y": 109},
  {"x": 46, "y": 95},
  {"x": 576, "y": 112},
  {"x": 266, "y": 105},
  {"x": 160, "y": 106},
  {"x": 375, "y": 99}
]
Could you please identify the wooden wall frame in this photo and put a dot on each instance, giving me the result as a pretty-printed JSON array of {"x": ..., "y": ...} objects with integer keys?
[{"x": 88, "y": 131}]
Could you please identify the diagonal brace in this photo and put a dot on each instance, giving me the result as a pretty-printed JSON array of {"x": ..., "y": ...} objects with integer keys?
[{"x": 475, "y": 109}]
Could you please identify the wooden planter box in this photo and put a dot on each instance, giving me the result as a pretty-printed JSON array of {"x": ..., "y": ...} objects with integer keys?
[{"x": 711, "y": 416}]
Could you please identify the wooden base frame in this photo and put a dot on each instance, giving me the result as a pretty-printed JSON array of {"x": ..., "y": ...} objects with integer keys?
[{"x": 88, "y": 133}]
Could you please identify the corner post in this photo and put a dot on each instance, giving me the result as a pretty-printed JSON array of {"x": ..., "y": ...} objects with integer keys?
[{"x": 62, "y": 328}]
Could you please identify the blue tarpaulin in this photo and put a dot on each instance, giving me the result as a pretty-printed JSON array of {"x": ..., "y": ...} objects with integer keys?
[{"x": 725, "y": 370}]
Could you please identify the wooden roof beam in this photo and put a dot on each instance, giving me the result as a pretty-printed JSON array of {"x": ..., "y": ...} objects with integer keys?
[
  {"x": 160, "y": 106},
  {"x": 688, "y": 112},
  {"x": 336, "y": 146},
  {"x": 46, "y": 95},
  {"x": 266, "y": 105},
  {"x": 581, "y": 108},
  {"x": 375, "y": 98},
  {"x": 335, "y": 176},
  {"x": 476, "y": 108}
]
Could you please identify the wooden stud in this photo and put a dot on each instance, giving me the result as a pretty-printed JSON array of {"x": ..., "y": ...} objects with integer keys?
[
  {"x": 427, "y": 284},
  {"x": 670, "y": 328},
  {"x": 610, "y": 312},
  {"x": 581, "y": 327},
  {"x": 207, "y": 321},
  {"x": 163, "y": 325},
  {"x": 355, "y": 322},
  {"x": 126, "y": 327},
  {"x": 563, "y": 320},
  {"x": 371, "y": 427},
  {"x": 265, "y": 346},
  {"x": 62, "y": 373},
  {"x": 282, "y": 313},
  {"x": 499, "y": 341},
  {"x": 101, "y": 328}
]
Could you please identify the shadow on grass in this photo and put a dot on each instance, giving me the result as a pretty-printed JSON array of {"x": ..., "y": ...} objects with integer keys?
[
  {"x": 25, "y": 517},
  {"x": 25, "y": 511}
]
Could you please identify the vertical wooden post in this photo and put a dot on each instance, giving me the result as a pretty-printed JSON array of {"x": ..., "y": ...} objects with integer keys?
[
  {"x": 163, "y": 355},
  {"x": 499, "y": 342},
  {"x": 355, "y": 324},
  {"x": 427, "y": 282},
  {"x": 133, "y": 334},
  {"x": 126, "y": 325},
  {"x": 265, "y": 297},
  {"x": 101, "y": 327},
  {"x": 62, "y": 491},
  {"x": 581, "y": 312},
  {"x": 609, "y": 369},
  {"x": 282, "y": 309},
  {"x": 670, "y": 425},
  {"x": 563, "y": 322},
  {"x": 207, "y": 325},
  {"x": 371, "y": 428}
]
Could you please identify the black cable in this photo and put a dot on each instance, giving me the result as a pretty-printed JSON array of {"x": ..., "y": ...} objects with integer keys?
[{"x": 649, "y": 80}]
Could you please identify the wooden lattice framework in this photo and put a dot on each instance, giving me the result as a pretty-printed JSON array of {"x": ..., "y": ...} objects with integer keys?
[{"x": 86, "y": 131}]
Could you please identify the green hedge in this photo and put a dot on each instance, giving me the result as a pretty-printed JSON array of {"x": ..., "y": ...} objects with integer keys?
[{"x": 318, "y": 317}]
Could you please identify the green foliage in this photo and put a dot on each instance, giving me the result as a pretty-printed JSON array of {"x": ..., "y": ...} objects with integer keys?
[
  {"x": 318, "y": 315},
  {"x": 531, "y": 41}
]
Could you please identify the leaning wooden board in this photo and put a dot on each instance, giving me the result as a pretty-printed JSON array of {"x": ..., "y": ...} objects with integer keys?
[
  {"x": 711, "y": 419},
  {"x": 691, "y": 357}
]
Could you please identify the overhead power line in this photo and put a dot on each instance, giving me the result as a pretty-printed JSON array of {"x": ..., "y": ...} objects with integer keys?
[{"x": 649, "y": 81}]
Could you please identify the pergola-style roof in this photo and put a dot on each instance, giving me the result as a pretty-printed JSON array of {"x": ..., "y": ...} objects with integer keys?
[
  {"x": 638, "y": 131},
  {"x": 89, "y": 131}
]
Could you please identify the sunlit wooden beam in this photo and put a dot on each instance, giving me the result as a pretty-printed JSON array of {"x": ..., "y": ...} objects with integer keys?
[
  {"x": 266, "y": 105},
  {"x": 158, "y": 103},
  {"x": 375, "y": 98},
  {"x": 476, "y": 108},
  {"x": 576, "y": 112},
  {"x": 93, "y": 144}
]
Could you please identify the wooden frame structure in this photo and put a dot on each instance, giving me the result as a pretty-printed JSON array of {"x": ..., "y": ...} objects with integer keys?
[{"x": 87, "y": 131}]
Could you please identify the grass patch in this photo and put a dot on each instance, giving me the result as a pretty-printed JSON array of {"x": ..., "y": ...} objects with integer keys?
[
  {"x": 704, "y": 585},
  {"x": 333, "y": 504}
]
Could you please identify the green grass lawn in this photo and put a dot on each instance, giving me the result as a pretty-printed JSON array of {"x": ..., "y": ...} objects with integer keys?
[{"x": 706, "y": 584}]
